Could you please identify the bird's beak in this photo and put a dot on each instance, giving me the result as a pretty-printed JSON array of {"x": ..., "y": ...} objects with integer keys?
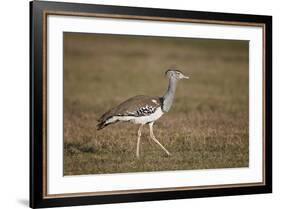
[{"x": 185, "y": 77}]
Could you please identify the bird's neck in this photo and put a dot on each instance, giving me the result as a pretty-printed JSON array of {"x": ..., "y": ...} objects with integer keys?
[{"x": 169, "y": 95}]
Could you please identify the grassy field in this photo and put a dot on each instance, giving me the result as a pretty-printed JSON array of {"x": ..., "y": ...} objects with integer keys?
[{"x": 207, "y": 126}]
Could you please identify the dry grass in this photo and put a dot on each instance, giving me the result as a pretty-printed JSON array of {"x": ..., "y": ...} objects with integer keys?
[{"x": 207, "y": 126}]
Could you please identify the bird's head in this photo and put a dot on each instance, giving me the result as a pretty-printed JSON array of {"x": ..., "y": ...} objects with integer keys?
[{"x": 175, "y": 74}]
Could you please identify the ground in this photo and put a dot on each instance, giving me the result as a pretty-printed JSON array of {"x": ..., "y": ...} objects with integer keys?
[{"x": 207, "y": 126}]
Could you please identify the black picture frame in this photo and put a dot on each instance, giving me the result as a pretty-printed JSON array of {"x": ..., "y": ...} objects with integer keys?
[{"x": 38, "y": 11}]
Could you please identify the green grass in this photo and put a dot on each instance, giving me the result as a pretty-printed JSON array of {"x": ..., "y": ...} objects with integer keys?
[{"x": 207, "y": 126}]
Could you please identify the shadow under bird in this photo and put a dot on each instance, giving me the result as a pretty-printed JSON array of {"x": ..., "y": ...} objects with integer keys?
[{"x": 144, "y": 109}]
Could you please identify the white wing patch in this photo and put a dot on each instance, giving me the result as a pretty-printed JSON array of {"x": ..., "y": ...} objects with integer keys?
[
  {"x": 138, "y": 120},
  {"x": 154, "y": 101}
]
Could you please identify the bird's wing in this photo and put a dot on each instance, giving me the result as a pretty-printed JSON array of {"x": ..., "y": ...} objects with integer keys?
[{"x": 136, "y": 106}]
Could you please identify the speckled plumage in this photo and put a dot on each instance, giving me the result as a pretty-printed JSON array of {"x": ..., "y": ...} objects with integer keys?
[{"x": 137, "y": 106}]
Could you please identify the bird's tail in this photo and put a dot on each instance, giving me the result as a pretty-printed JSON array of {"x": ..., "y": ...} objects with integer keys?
[{"x": 103, "y": 123}]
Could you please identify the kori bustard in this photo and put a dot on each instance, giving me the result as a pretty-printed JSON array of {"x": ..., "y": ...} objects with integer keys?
[{"x": 144, "y": 109}]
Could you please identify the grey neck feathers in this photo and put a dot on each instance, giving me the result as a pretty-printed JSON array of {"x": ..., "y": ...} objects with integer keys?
[{"x": 169, "y": 95}]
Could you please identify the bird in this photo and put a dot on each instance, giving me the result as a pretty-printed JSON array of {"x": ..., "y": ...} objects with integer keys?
[{"x": 144, "y": 110}]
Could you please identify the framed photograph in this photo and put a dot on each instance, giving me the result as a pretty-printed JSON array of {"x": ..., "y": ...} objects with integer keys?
[{"x": 139, "y": 104}]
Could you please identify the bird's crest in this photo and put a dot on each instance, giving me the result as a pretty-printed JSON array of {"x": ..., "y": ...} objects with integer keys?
[{"x": 172, "y": 69}]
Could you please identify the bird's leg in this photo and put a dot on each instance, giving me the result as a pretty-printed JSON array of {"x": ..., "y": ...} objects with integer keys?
[
  {"x": 138, "y": 142},
  {"x": 154, "y": 138}
]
